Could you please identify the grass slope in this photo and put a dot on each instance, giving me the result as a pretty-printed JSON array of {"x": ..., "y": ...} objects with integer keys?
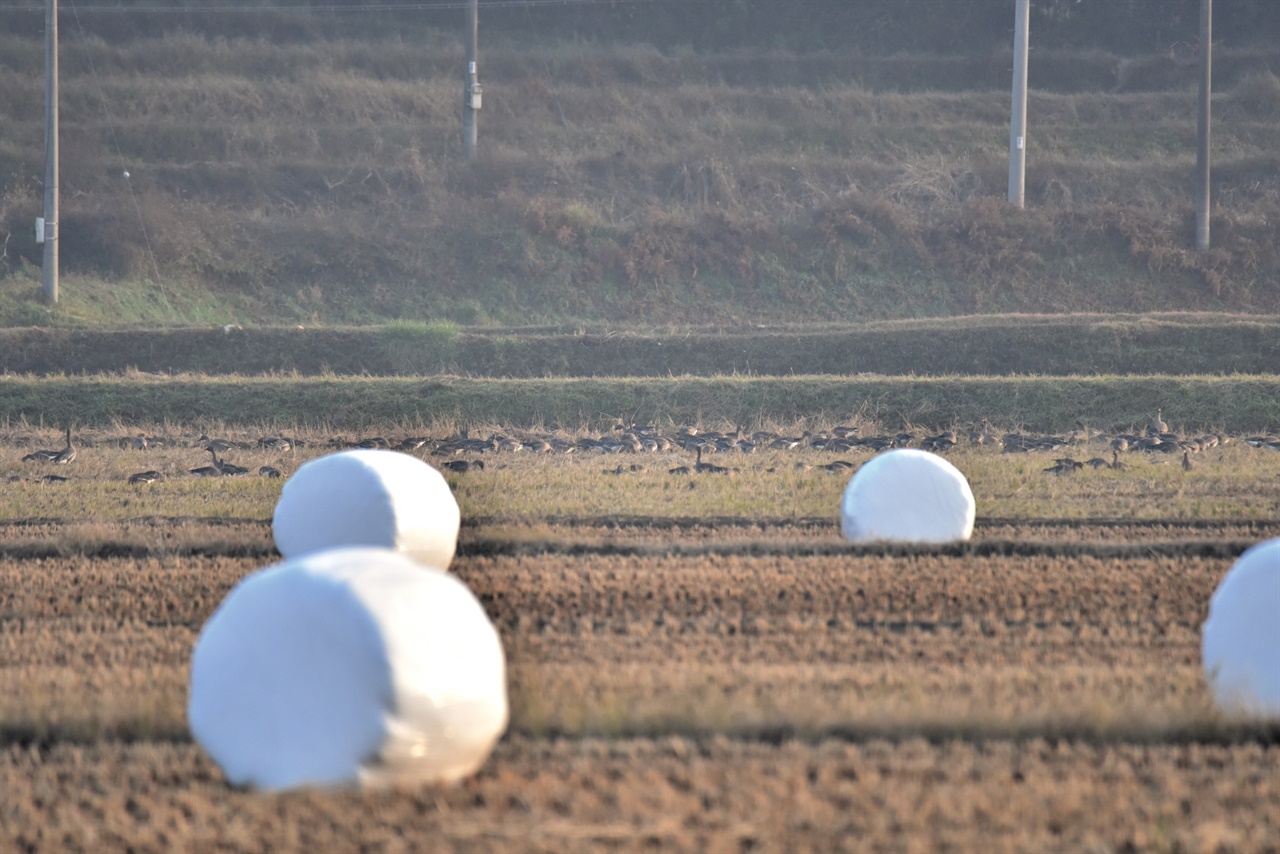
[
  {"x": 321, "y": 182},
  {"x": 1191, "y": 403}
]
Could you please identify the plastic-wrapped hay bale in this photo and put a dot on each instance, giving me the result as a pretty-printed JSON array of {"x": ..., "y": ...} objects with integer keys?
[
  {"x": 348, "y": 666},
  {"x": 907, "y": 496},
  {"x": 368, "y": 498},
  {"x": 1240, "y": 644}
]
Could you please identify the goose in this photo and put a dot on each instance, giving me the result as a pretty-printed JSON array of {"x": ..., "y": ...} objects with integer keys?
[
  {"x": 785, "y": 443},
  {"x": 680, "y": 470},
  {"x": 54, "y": 478},
  {"x": 67, "y": 454},
  {"x": 942, "y": 442},
  {"x": 215, "y": 444},
  {"x": 146, "y": 477},
  {"x": 1115, "y": 461},
  {"x": 41, "y": 456},
  {"x": 207, "y": 471},
  {"x": 463, "y": 466},
  {"x": 227, "y": 469},
  {"x": 983, "y": 435},
  {"x": 137, "y": 443},
  {"x": 1157, "y": 423},
  {"x": 708, "y": 468},
  {"x": 269, "y": 471},
  {"x": 1187, "y": 465},
  {"x": 634, "y": 467},
  {"x": 276, "y": 443},
  {"x": 1097, "y": 463}
]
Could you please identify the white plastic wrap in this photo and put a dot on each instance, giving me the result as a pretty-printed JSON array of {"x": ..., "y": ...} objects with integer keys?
[
  {"x": 909, "y": 496},
  {"x": 368, "y": 498},
  {"x": 348, "y": 666},
  {"x": 1240, "y": 645}
]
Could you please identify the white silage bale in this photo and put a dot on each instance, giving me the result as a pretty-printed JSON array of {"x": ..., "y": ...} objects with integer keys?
[
  {"x": 349, "y": 666},
  {"x": 368, "y": 498},
  {"x": 1240, "y": 644},
  {"x": 910, "y": 496}
]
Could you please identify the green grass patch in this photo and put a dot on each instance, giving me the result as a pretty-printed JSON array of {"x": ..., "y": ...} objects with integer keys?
[
  {"x": 1191, "y": 403},
  {"x": 1169, "y": 343}
]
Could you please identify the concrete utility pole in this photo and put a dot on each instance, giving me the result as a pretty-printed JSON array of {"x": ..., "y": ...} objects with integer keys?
[
  {"x": 49, "y": 233},
  {"x": 471, "y": 91},
  {"x": 1018, "y": 111},
  {"x": 1202, "y": 125}
]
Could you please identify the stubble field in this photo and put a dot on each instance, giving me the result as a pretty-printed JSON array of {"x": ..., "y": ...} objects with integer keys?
[{"x": 719, "y": 672}]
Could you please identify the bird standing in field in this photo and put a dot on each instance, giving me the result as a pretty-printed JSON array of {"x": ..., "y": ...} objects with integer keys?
[
  {"x": 1187, "y": 465},
  {"x": 1157, "y": 423},
  {"x": 67, "y": 454}
]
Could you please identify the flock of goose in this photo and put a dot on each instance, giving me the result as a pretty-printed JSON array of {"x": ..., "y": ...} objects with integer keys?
[{"x": 462, "y": 453}]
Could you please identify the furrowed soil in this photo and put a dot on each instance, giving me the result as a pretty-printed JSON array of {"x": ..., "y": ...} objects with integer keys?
[{"x": 719, "y": 699}]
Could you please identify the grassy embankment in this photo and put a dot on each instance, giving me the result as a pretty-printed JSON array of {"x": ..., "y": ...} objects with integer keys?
[
  {"x": 1167, "y": 343},
  {"x": 352, "y": 405},
  {"x": 321, "y": 182}
]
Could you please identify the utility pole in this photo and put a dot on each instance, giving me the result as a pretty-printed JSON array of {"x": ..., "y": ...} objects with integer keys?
[
  {"x": 1202, "y": 126},
  {"x": 49, "y": 233},
  {"x": 1018, "y": 111},
  {"x": 471, "y": 92}
]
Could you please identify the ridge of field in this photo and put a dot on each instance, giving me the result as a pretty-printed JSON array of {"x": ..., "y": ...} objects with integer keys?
[
  {"x": 323, "y": 182},
  {"x": 140, "y": 537},
  {"x": 1166, "y": 344},
  {"x": 427, "y": 405}
]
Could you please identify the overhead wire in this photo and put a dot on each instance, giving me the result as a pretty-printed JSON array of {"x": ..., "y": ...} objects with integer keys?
[
  {"x": 408, "y": 5},
  {"x": 115, "y": 141}
]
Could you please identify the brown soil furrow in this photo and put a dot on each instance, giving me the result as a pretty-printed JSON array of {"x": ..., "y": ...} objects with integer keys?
[{"x": 674, "y": 793}]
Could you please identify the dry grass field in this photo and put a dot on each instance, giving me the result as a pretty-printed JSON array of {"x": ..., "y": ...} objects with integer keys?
[{"x": 695, "y": 662}]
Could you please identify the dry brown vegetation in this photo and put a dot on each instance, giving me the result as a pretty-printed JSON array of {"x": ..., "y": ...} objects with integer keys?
[
  {"x": 322, "y": 181},
  {"x": 1234, "y": 483},
  {"x": 923, "y": 702},
  {"x": 728, "y": 673}
]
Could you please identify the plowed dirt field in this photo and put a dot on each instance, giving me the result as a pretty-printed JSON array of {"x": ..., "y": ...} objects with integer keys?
[{"x": 739, "y": 685}]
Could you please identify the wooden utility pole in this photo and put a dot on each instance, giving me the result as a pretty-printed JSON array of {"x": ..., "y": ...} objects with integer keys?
[
  {"x": 1018, "y": 111},
  {"x": 1202, "y": 125},
  {"x": 49, "y": 234},
  {"x": 471, "y": 92}
]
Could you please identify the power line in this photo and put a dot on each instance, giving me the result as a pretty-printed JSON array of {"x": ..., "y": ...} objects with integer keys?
[
  {"x": 115, "y": 140},
  {"x": 409, "y": 5}
]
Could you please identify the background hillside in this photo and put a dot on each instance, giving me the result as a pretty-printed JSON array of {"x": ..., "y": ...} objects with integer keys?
[{"x": 640, "y": 163}]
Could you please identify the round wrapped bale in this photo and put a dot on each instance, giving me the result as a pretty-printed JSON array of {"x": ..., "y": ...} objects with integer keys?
[
  {"x": 1240, "y": 645},
  {"x": 907, "y": 496},
  {"x": 348, "y": 666},
  {"x": 368, "y": 498}
]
